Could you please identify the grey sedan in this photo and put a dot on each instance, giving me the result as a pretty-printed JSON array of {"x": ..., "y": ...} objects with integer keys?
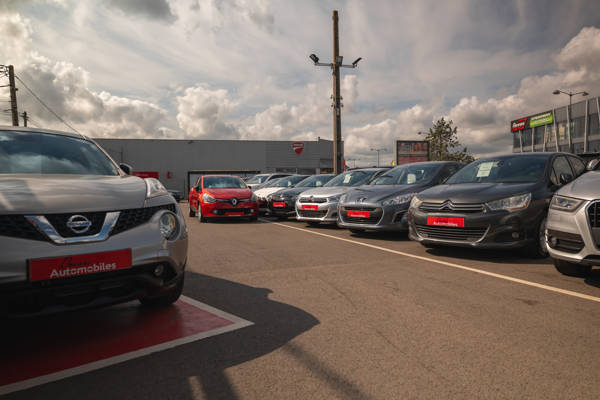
[
  {"x": 382, "y": 205},
  {"x": 77, "y": 231}
]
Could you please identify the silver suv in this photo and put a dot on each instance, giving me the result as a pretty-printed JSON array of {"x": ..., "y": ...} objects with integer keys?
[
  {"x": 573, "y": 225},
  {"x": 76, "y": 231}
]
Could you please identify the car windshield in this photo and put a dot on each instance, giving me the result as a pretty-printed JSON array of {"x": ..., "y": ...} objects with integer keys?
[
  {"x": 41, "y": 153},
  {"x": 351, "y": 178},
  {"x": 315, "y": 181},
  {"x": 223, "y": 182},
  {"x": 407, "y": 175},
  {"x": 518, "y": 169},
  {"x": 258, "y": 179},
  {"x": 289, "y": 181}
]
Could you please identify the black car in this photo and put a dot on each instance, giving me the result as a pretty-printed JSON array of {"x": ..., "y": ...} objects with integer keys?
[
  {"x": 282, "y": 203},
  {"x": 176, "y": 194},
  {"x": 382, "y": 204},
  {"x": 496, "y": 202}
]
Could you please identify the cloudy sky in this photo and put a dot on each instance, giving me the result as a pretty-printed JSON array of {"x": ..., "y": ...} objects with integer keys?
[{"x": 228, "y": 69}]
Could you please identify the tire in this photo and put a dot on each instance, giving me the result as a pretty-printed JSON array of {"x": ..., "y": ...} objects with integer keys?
[
  {"x": 253, "y": 218},
  {"x": 357, "y": 231},
  {"x": 313, "y": 223},
  {"x": 192, "y": 212},
  {"x": 571, "y": 269},
  {"x": 200, "y": 217},
  {"x": 539, "y": 249},
  {"x": 165, "y": 299}
]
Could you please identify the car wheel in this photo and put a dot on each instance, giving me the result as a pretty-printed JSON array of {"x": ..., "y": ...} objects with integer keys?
[
  {"x": 313, "y": 223},
  {"x": 253, "y": 218},
  {"x": 357, "y": 231},
  {"x": 571, "y": 269},
  {"x": 200, "y": 217},
  {"x": 192, "y": 212},
  {"x": 539, "y": 249},
  {"x": 165, "y": 299}
]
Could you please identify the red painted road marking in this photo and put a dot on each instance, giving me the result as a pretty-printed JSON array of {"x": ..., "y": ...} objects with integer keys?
[{"x": 51, "y": 348}]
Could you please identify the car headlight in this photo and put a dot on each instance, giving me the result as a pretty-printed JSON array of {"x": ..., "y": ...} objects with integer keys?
[
  {"x": 343, "y": 198},
  {"x": 415, "y": 202},
  {"x": 333, "y": 199},
  {"x": 513, "y": 203},
  {"x": 563, "y": 203},
  {"x": 207, "y": 198},
  {"x": 168, "y": 225},
  {"x": 154, "y": 188},
  {"x": 400, "y": 199},
  {"x": 253, "y": 198},
  {"x": 269, "y": 198}
]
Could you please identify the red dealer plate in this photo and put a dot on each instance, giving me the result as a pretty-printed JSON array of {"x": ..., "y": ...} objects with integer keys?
[
  {"x": 446, "y": 221},
  {"x": 235, "y": 214},
  {"x": 309, "y": 207},
  {"x": 82, "y": 264},
  {"x": 359, "y": 214},
  {"x": 279, "y": 205}
]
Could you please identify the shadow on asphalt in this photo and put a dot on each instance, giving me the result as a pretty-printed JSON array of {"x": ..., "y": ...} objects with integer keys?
[
  {"x": 593, "y": 279},
  {"x": 486, "y": 255}
]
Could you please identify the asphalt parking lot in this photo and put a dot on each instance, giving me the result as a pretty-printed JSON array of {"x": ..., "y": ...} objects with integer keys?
[{"x": 336, "y": 315}]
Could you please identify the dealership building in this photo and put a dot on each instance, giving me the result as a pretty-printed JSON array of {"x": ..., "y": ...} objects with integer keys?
[
  {"x": 178, "y": 162},
  {"x": 575, "y": 129}
]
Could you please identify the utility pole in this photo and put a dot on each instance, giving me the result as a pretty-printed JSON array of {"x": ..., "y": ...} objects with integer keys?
[
  {"x": 338, "y": 151},
  {"x": 25, "y": 118},
  {"x": 13, "y": 96},
  {"x": 378, "y": 151}
]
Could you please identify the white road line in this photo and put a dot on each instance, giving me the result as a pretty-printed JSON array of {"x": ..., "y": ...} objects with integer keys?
[
  {"x": 449, "y": 264},
  {"x": 238, "y": 323}
]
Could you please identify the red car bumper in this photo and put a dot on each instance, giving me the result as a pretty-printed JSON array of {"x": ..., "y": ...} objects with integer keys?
[{"x": 222, "y": 209}]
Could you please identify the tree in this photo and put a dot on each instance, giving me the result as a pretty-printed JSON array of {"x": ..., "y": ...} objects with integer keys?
[{"x": 442, "y": 140}]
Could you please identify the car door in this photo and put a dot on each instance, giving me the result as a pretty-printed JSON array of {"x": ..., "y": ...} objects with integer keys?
[{"x": 195, "y": 194}]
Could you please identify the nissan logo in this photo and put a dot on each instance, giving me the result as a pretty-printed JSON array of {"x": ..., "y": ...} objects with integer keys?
[{"x": 79, "y": 223}]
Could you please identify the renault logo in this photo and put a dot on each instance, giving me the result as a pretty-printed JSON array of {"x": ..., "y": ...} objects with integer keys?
[
  {"x": 234, "y": 201},
  {"x": 79, "y": 224}
]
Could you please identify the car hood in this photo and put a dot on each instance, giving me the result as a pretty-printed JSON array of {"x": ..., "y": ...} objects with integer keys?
[
  {"x": 377, "y": 193},
  {"x": 55, "y": 194},
  {"x": 475, "y": 192},
  {"x": 293, "y": 192},
  {"x": 264, "y": 192},
  {"x": 327, "y": 191},
  {"x": 230, "y": 193},
  {"x": 586, "y": 187}
]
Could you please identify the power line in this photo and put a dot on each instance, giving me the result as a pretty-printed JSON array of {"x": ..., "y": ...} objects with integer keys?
[{"x": 47, "y": 107}]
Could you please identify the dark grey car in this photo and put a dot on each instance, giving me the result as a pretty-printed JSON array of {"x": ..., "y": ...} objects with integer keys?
[{"x": 382, "y": 205}]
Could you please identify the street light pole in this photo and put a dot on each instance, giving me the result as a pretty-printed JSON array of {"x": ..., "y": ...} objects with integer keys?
[
  {"x": 338, "y": 153},
  {"x": 378, "y": 151},
  {"x": 569, "y": 118}
]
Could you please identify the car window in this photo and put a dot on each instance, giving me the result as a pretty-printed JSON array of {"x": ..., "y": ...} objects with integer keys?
[
  {"x": 407, "y": 174},
  {"x": 577, "y": 165},
  {"x": 352, "y": 178},
  {"x": 560, "y": 166},
  {"x": 315, "y": 181},
  {"x": 516, "y": 169},
  {"x": 258, "y": 178},
  {"x": 223, "y": 182}
]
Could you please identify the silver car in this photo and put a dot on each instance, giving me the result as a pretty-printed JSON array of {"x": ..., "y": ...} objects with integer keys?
[
  {"x": 321, "y": 204},
  {"x": 573, "y": 225},
  {"x": 77, "y": 231}
]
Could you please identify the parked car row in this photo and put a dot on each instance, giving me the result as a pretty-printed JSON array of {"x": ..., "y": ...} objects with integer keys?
[{"x": 503, "y": 202}]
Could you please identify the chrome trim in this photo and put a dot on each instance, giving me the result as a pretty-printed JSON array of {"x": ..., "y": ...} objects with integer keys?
[{"x": 44, "y": 226}]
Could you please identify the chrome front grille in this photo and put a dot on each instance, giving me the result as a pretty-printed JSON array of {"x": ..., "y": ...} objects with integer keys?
[
  {"x": 450, "y": 233},
  {"x": 449, "y": 207}
]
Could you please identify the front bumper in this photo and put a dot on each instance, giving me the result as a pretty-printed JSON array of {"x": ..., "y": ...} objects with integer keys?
[
  {"x": 381, "y": 218},
  {"x": 571, "y": 237},
  {"x": 317, "y": 212},
  {"x": 149, "y": 249},
  {"x": 285, "y": 207},
  {"x": 487, "y": 229},
  {"x": 221, "y": 209}
]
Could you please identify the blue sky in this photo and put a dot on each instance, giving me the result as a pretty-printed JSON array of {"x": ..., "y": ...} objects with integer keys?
[{"x": 240, "y": 68}]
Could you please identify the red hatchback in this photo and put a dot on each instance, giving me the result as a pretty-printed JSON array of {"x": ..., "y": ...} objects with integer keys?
[{"x": 217, "y": 196}]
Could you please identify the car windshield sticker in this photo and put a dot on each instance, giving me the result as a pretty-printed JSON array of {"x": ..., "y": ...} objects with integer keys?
[
  {"x": 485, "y": 169},
  {"x": 411, "y": 178},
  {"x": 347, "y": 178}
]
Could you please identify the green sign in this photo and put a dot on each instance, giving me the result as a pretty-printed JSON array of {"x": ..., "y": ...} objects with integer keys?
[{"x": 541, "y": 119}]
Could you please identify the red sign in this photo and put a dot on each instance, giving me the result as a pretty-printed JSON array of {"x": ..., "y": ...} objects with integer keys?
[
  {"x": 446, "y": 221},
  {"x": 82, "y": 264},
  {"x": 519, "y": 124},
  {"x": 280, "y": 205},
  {"x": 145, "y": 174},
  {"x": 358, "y": 214},
  {"x": 310, "y": 207},
  {"x": 298, "y": 147},
  {"x": 235, "y": 214}
]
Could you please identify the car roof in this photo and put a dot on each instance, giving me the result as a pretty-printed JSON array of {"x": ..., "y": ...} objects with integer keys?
[{"x": 44, "y": 131}]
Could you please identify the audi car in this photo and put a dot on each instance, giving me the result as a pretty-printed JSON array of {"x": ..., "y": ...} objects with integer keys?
[
  {"x": 282, "y": 203},
  {"x": 382, "y": 205},
  {"x": 77, "y": 231},
  {"x": 573, "y": 226},
  {"x": 321, "y": 204},
  {"x": 222, "y": 196},
  {"x": 497, "y": 202},
  {"x": 273, "y": 186}
]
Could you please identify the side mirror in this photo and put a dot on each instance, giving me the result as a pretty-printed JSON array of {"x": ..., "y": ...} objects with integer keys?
[
  {"x": 593, "y": 164},
  {"x": 565, "y": 178},
  {"x": 126, "y": 168}
]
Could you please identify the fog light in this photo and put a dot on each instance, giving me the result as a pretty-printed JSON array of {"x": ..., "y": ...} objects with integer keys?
[
  {"x": 515, "y": 235},
  {"x": 158, "y": 270},
  {"x": 553, "y": 241}
]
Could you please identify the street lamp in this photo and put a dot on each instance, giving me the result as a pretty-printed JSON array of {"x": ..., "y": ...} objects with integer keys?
[
  {"x": 378, "y": 151},
  {"x": 570, "y": 94},
  {"x": 337, "y": 104}
]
